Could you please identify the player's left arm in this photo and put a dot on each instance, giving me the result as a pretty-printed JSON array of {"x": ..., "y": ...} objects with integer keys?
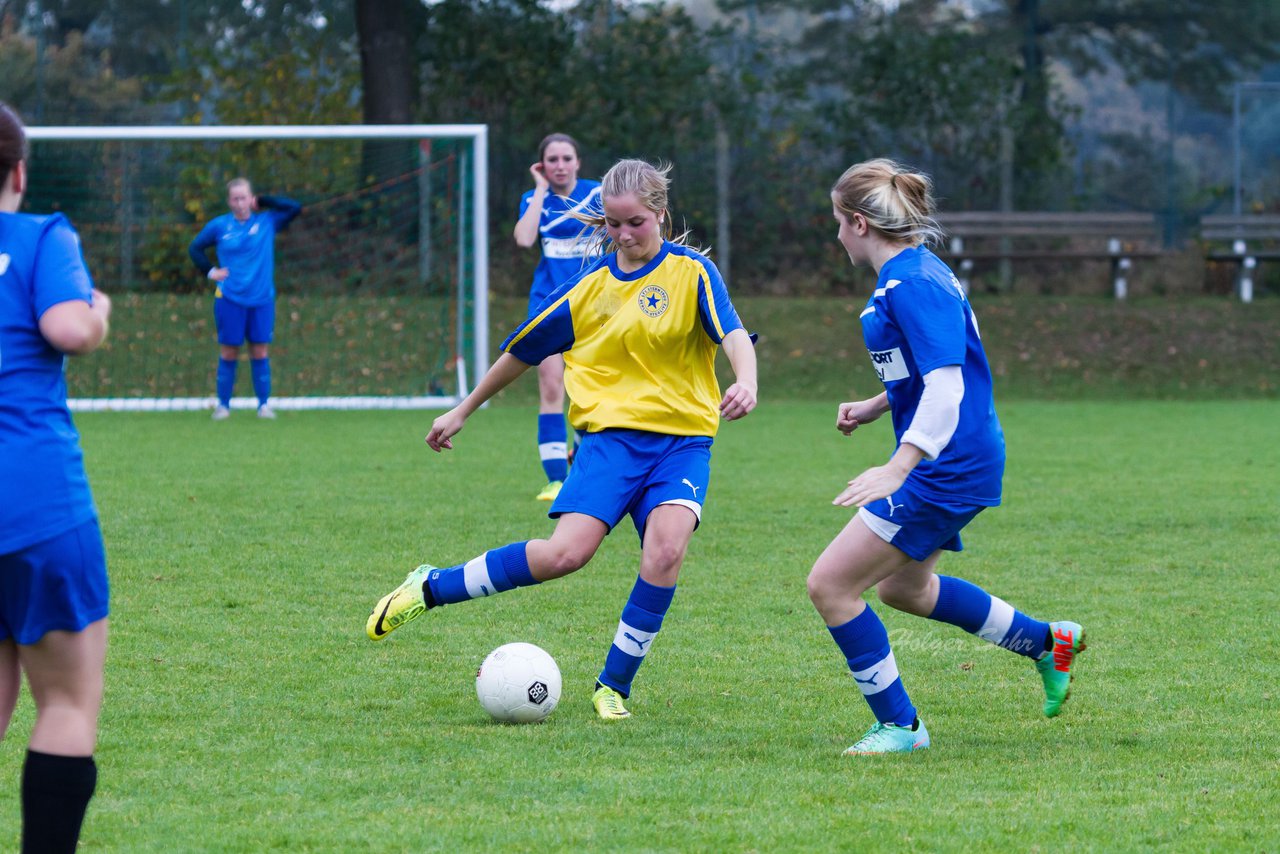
[
  {"x": 739, "y": 398},
  {"x": 283, "y": 210}
]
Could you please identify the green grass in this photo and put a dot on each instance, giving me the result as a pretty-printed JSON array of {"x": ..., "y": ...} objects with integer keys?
[{"x": 245, "y": 710}]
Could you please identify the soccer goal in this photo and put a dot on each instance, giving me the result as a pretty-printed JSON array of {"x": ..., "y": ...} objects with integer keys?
[{"x": 382, "y": 282}]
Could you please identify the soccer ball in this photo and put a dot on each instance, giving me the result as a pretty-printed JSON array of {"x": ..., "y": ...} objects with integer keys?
[{"x": 518, "y": 683}]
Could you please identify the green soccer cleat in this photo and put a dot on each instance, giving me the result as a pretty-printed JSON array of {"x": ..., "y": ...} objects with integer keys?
[
  {"x": 1056, "y": 667},
  {"x": 891, "y": 738},
  {"x": 399, "y": 606},
  {"x": 550, "y": 491},
  {"x": 608, "y": 703}
]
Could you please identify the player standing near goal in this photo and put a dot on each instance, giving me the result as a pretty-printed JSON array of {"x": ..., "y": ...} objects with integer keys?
[
  {"x": 53, "y": 570},
  {"x": 548, "y": 214},
  {"x": 948, "y": 464},
  {"x": 639, "y": 329},
  {"x": 244, "y": 298}
]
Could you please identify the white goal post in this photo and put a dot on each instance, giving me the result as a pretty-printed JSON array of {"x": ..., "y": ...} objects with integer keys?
[{"x": 469, "y": 315}]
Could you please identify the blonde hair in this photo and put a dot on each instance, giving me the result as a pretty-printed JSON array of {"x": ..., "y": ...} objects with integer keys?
[
  {"x": 237, "y": 182},
  {"x": 897, "y": 202},
  {"x": 648, "y": 183}
]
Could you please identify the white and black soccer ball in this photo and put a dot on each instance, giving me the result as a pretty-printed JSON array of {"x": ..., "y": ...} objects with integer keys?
[{"x": 518, "y": 683}]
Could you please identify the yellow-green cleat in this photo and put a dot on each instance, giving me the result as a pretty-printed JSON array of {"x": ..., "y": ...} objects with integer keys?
[
  {"x": 399, "y": 606},
  {"x": 550, "y": 491},
  {"x": 1058, "y": 663},
  {"x": 608, "y": 703}
]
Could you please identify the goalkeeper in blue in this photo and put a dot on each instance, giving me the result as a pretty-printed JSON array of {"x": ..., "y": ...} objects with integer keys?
[
  {"x": 244, "y": 297},
  {"x": 639, "y": 329},
  {"x": 947, "y": 467},
  {"x": 549, "y": 217}
]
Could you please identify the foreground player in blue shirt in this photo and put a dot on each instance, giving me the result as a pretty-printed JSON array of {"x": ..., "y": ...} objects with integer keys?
[
  {"x": 923, "y": 339},
  {"x": 549, "y": 216},
  {"x": 53, "y": 571},
  {"x": 639, "y": 329},
  {"x": 244, "y": 299}
]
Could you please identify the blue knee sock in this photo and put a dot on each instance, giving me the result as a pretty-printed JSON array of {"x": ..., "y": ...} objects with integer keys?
[
  {"x": 865, "y": 645},
  {"x": 495, "y": 571},
  {"x": 261, "y": 371},
  {"x": 226, "y": 380},
  {"x": 989, "y": 617},
  {"x": 641, "y": 619},
  {"x": 552, "y": 446}
]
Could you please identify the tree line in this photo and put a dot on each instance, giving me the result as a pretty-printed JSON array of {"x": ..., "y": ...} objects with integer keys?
[{"x": 772, "y": 97}]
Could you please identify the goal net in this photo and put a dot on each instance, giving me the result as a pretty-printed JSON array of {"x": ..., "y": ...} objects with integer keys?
[{"x": 382, "y": 282}]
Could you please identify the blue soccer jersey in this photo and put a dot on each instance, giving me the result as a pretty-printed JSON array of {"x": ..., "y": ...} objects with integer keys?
[
  {"x": 916, "y": 321},
  {"x": 246, "y": 249},
  {"x": 639, "y": 348},
  {"x": 43, "y": 488},
  {"x": 564, "y": 251}
]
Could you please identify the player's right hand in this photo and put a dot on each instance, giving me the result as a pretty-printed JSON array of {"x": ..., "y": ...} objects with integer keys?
[
  {"x": 540, "y": 181},
  {"x": 853, "y": 413},
  {"x": 219, "y": 274},
  {"x": 443, "y": 429}
]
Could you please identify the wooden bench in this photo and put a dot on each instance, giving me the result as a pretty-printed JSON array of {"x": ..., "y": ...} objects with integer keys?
[
  {"x": 1252, "y": 237},
  {"x": 1023, "y": 235}
]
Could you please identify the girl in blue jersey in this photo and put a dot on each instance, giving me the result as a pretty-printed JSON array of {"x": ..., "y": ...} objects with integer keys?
[
  {"x": 639, "y": 329},
  {"x": 53, "y": 572},
  {"x": 549, "y": 217},
  {"x": 923, "y": 340},
  {"x": 244, "y": 298}
]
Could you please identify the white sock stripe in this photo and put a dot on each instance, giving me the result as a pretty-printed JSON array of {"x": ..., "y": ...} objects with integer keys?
[
  {"x": 634, "y": 642},
  {"x": 999, "y": 619},
  {"x": 475, "y": 573},
  {"x": 878, "y": 676},
  {"x": 553, "y": 450}
]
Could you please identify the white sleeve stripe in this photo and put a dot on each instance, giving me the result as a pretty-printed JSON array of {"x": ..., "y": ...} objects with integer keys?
[{"x": 938, "y": 413}]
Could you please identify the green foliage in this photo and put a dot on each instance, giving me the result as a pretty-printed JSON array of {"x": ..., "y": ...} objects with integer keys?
[
  {"x": 246, "y": 712},
  {"x": 76, "y": 82}
]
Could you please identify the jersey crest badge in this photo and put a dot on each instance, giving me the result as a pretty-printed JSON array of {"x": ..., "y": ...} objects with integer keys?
[{"x": 654, "y": 300}]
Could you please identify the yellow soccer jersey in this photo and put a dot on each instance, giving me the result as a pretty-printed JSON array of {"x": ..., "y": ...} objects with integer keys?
[{"x": 639, "y": 348}]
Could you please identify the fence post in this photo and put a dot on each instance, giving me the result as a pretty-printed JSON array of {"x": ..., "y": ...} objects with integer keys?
[
  {"x": 1247, "y": 265},
  {"x": 1119, "y": 268}
]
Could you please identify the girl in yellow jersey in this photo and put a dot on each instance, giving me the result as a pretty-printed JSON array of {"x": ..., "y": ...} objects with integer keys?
[{"x": 638, "y": 329}]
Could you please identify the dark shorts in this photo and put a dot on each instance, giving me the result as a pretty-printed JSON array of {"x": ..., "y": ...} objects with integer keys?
[
  {"x": 621, "y": 472},
  {"x": 236, "y": 322},
  {"x": 918, "y": 526},
  {"x": 56, "y": 585}
]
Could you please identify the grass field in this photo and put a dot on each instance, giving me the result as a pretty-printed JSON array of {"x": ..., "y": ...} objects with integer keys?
[{"x": 246, "y": 711}]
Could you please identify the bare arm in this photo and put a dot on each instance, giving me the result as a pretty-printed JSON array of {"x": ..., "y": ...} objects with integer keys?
[
  {"x": 75, "y": 327},
  {"x": 504, "y": 371},
  {"x": 526, "y": 231},
  {"x": 739, "y": 398}
]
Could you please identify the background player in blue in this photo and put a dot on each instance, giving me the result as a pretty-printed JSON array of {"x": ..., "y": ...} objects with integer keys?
[
  {"x": 53, "y": 572},
  {"x": 244, "y": 299},
  {"x": 639, "y": 329},
  {"x": 547, "y": 218},
  {"x": 923, "y": 340}
]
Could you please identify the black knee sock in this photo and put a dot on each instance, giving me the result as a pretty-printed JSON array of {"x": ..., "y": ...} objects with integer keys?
[{"x": 55, "y": 792}]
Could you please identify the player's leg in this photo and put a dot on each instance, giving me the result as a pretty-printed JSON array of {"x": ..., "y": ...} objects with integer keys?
[
  {"x": 64, "y": 670},
  {"x": 10, "y": 683},
  {"x": 856, "y": 560},
  {"x": 260, "y": 328},
  {"x": 552, "y": 433},
  {"x": 230, "y": 320},
  {"x": 572, "y": 544},
  {"x": 666, "y": 540}
]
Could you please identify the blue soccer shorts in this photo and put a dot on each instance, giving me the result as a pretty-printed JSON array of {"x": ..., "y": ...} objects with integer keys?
[
  {"x": 916, "y": 525},
  {"x": 56, "y": 585},
  {"x": 236, "y": 322},
  {"x": 619, "y": 472}
]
